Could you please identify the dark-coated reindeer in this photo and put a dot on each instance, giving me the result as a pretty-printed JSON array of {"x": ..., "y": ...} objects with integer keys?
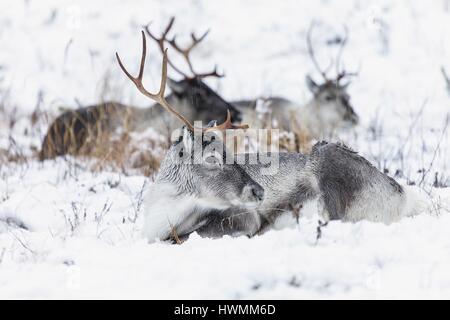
[
  {"x": 197, "y": 189},
  {"x": 77, "y": 129},
  {"x": 328, "y": 111}
]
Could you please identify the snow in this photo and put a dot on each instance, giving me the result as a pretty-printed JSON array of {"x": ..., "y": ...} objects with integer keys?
[{"x": 83, "y": 227}]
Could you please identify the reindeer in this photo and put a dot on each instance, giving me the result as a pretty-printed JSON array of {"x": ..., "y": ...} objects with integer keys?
[
  {"x": 196, "y": 189},
  {"x": 78, "y": 129},
  {"x": 347, "y": 186},
  {"x": 193, "y": 180},
  {"x": 328, "y": 110}
]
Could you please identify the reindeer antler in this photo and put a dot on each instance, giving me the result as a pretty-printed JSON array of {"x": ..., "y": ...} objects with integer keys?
[
  {"x": 185, "y": 52},
  {"x": 343, "y": 43},
  {"x": 227, "y": 125},
  {"x": 312, "y": 54},
  {"x": 159, "y": 97},
  {"x": 160, "y": 41},
  {"x": 340, "y": 74}
]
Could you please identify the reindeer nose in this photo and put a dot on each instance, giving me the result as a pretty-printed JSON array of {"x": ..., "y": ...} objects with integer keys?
[{"x": 258, "y": 192}]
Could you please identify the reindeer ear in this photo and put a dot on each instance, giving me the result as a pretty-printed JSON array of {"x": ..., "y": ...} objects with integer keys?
[
  {"x": 312, "y": 86},
  {"x": 188, "y": 139},
  {"x": 177, "y": 87}
]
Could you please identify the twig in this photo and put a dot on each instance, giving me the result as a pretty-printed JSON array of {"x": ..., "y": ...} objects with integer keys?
[
  {"x": 2, "y": 254},
  {"x": 175, "y": 236},
  {"x": 319, "y": 230},
  {"x": 21, "y": 242},
  {"x": 140, "y": 200},
  {"x": 174, "y": 233},
  {"x": 446, "y": 78},
  {"x": 412, "y": 126},
  {"x": 435, "y": 151}
]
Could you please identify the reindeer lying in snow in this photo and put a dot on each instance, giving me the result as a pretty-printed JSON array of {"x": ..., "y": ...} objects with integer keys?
[
  {"x": 327, "y": 112},
  {"x": 197, "y": 189},
  {"x": 77, "y": 129}
]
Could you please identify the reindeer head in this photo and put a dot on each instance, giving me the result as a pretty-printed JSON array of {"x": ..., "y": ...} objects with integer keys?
[
  {"x": 333, "y": 102},
  {"x": 331, "y": 97},
  {"x": 192, "y": 90},
  {"x": 196, "y": 162},
  {"x": 208, "y": 104}
]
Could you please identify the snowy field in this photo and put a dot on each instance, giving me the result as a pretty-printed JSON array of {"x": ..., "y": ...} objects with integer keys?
[{"x": 67, "y": 231}]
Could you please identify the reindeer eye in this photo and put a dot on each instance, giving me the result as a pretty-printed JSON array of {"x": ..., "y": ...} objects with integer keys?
[
  {"x": 180, "y": 153},
  {"x": 212, "y": 162}
]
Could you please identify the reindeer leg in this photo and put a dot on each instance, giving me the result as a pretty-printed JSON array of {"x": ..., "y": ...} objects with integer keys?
[{"x": 235, "y": 221}]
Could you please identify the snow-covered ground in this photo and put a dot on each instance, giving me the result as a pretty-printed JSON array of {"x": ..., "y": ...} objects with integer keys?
[{"x": 81, "y": 233}]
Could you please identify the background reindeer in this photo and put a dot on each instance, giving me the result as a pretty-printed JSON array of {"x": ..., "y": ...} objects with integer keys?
[
  {"x": 328, "y": 110},
  {"x": 76, "y": 131}
]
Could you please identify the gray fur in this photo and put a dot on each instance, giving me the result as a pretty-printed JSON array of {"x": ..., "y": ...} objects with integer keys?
[
  {"x": 234, "y": 221},
  {"x": 347, "y": 185},
  {"x": 221, "y": 197}
]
